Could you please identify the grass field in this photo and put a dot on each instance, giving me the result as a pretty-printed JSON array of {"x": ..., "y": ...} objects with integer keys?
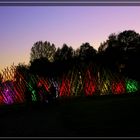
[{"x": 104, "y": 116}]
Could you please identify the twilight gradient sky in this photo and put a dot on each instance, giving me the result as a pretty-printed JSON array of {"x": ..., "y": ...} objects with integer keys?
[{"x": 21, "y": 27}]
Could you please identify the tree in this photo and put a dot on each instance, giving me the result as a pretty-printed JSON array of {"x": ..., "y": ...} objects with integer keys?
[
  {"x": 130, "y": 47},
  {"x": 102, "y": 47},
  {"x": 42, "y": 50},
  {"x": 65, "y": 53},
  {"x": 122, "y": 49},
  {"x": 64, "y": 59},
  {"x": 129, "y": 40},
  {"x": 40, "y": 66},
  {"x": 86, "y": 52},
  {"x": 125, "y": 42},
  {"x": 57, "y": 54},
  {"x": 21, "y": 73}
]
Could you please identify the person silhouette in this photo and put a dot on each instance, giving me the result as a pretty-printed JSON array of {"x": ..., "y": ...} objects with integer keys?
[{"x": 52, "y": 95}]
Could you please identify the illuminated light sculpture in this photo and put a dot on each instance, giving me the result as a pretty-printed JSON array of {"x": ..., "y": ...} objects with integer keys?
[
  {"x": 56, "y": 85},
  {"x": 131, "y": 86},
  {"x": 33, "y": 93},
  {"x": 34, "y": 98},
  {"x": 76, "y": 83},
  {"x": 43, "y": 82},
  {"x": 20, "y": 86},
  {"x": 65, "y": 88},
  {"x": 105, "y": 87},
  {"x": 42, "y": 91},
  {"x": 90, "y": 86},
  {"x": 8, "y": 92},
  {"x": 104, "y": 81},
  {"x": 7, "y": 87},
  {"x": 44, "y": 87},
  {"x": 8, "y": 73},
  {"x": 19, "y": 92},
  {"x": 7, "y": 97},
  {"x": 1, "y": 100},
  {"x": 33, "y": 87},
  {"x": 118, "y": 87},
  {"x": 1, "y": 95},
  {"x": 88, "y": 81}
]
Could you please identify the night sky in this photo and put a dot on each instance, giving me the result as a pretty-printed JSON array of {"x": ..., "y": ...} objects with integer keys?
[{"x": 21, "y": 27}]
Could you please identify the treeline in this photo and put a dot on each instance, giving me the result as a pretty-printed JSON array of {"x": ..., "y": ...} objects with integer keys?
[{"x": 120, "y": 53}]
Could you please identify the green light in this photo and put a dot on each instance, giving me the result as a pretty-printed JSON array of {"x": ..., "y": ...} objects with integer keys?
[
  {"x": 34, "y": 96},
  {"x": 131, "y": 86}
]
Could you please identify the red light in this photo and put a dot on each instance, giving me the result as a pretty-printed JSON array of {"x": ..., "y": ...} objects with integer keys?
[{"x": 118, "y": 88}]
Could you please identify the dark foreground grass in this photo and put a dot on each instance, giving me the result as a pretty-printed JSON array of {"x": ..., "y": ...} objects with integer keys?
[{"x": 105, "y": 116}]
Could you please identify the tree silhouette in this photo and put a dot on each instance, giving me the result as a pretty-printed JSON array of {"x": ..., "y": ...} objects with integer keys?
[
  {"x": 21, "y": 72},
  {"x": 86, "y": 52},
  {"x": 63, "y": 59},
  {"x": 122, "y": 51},
  {"x": 129, "y": 40},
  {"x": 42, "y": 50},
  {"x": 40, "y": 66},
  {"x": 65, "y": 53}
]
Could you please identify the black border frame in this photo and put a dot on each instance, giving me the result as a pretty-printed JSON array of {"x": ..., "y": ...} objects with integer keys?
[{"x": 69, "y": 3}]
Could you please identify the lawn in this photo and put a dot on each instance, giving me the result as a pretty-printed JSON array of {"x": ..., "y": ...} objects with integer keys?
[{"x": 104, "y": 116}]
